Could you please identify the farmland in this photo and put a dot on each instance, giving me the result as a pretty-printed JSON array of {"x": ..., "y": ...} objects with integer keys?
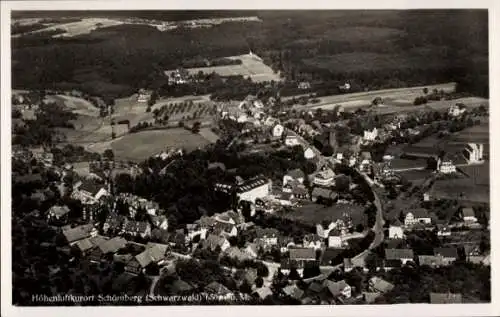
[
  {"x": 251, "y": 66},
  {"x": 313, "y": 214}
]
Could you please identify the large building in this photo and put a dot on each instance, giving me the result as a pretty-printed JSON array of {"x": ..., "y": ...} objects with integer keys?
[
  {"x": 249, "y": 190},
  {"x": 474, "y": 153}
]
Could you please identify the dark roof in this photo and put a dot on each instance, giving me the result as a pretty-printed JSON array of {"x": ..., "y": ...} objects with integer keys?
[
  {"x": 380, "y": 284},
  {"x": 419, "y": 212},
  {"x": 78, "y": 233},
  {"x": 430, "y": 260},
  {"x": 445, "y": 298},
  {"x": 446, "y": 252},
  {"x": 179, "y": 286},
  {"x": 468, "y": 212},
  {"x": 330, "y": 254},
  {"x": 217, "y": 288},
  {"x": 90, "y": 186},
  {"x": 252, "y": 183},
  {"x": 302, "y": 253},
  {"x": 397, "y": 164},
  {"x": 113, "y": 245},
  {"x": 398, "y": 254}
]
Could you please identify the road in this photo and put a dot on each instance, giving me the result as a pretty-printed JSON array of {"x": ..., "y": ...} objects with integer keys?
[{"x": 378, "y": 228}]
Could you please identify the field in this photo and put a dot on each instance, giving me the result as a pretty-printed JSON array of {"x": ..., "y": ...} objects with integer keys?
[
  {"x": 76, "y": 105},
  {"x": 84, "y": 26},
  {"x": 141, "y": 145},
  {"x": 460, "y": 189},
  {"x": 313, "y": 213},
  {"x": 391, "y": 97},
  {"x": 251, "y": 66}
]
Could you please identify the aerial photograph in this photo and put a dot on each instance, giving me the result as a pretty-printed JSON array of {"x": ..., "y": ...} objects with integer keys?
[{"x": 250, "y": 157}]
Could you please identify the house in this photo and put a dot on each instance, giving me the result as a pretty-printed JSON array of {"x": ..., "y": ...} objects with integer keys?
[
  {"x": 293, "y": 291},
  {"x": 419, "y": 215},
  {"x": 403, "y": 255},
  {"x": 89, "y": 192},
  {"x": 468, "y": 215},
  {"x": 287, "y": 265},
  {"x": 324, "y": 178},
  {"x": 300, "y": 192},
  {"x": 370, "y": 135},
  {"x": 323, "y": 194},
  {"x": 154, "y": 253},
  {"x": 84, "y": 245},
  {"x": 160, "y": 222},
  {"x": 396, "y": 230},
  {"x": 277, "y": 131},
  {"x": 249, "y": 190},
  {"x": 266, "y": 237},
  {"x": 181, "y": 287},
  {"x": 379, "y": 285},
  {"x": 325, "y": 232},
  {"x": 449, "y": 255},
  {"x": 446, "y": 167},
  {"x": 214, "y": 241},
  {"x": 302, "y": 254},
  {"x": 217, "y": 288},
  {"x": 137, "y": 228},
  {"x": 112, "y": 245},
  {"x": 430, "y": 260},
  {"x": 296, "y": 175},
  {"x": 252, "y": 250},
  {"x": 473, "y": 153},
  {"x": 57, "y": 213},
  {"x": 304, "y": 85},
  {"x": 143, "y": 96},
  {"x": 338, "y": 289},
  {"x": 75, "y": 234},
  {"x": 443, "y": 230},
  {"x": 313, "y": 241},
  {"x": 263, "y": 292},
  {"x": 456, "y": 110},
  {"x": 445, "y": 298},
  {"x": 335, "y": 239},
  {"x": 291, "y": 140},
  {"x": 309, "y": 153},
  {"x": 226, "y": 229}
]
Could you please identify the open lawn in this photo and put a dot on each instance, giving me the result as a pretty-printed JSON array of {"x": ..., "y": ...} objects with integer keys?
[
  {"x": 84, "y": 26},
  {"x": 76, "y": 105},
  {"x": 462, "y": 189},
  {"x": 314, "y": 213},
  {"x": 251, "y": 66},
  {"x": 141, "y": 145}
]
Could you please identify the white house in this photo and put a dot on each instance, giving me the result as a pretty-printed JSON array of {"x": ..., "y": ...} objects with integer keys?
[
  {"x": 325, "y": 232},
  {"x": 456, "y": 110},
  {"x": 309, "y": 154},
  {"x": 296, "y": 175},
  {"x": 446, "y": 167},
  {"x": 335, "y": 242},
  {"x": 338, "y": 289},
  {"x": 278, "y": 130},
  {"x": 474, "y": 153},
  {"x": 419, "y": 215},
  {"x": 291, "y": 140},
  {"x": 396, "y": 231},
  {"x": 324, "y": 178},
  {"x": 370, "y": 135},
  {"x": 249, "y": 190}
]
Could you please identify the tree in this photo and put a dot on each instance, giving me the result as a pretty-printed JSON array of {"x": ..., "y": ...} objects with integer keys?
[
  {"x": 196, "y": 127},
  {"x": 426, "y": 90},
  {"x": 108, "y": 154},
  {"x": 259, "y": 282}
]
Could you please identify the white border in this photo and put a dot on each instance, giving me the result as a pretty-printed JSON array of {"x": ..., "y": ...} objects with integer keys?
[{"x": 361, "y": 310}]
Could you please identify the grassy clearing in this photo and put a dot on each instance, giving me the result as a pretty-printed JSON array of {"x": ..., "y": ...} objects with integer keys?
[
  {"x": 313, "y": 213},
  {"x": 141, "y": 145}
]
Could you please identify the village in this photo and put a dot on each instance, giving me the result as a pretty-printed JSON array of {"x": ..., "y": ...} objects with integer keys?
[{"x": 372, "y": 199}]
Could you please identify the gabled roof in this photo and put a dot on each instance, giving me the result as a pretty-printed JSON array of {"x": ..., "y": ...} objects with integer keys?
[
  {"x": 84, "y": 244},
  {"x": 336, "y": 288},
  {"x": 90, "y": 186},
  {"x": 468, "y": 212},
  {"x": 113, "y": 245},
  {"x": 446, "y": 252},
  {"x": 302, "y": 253},
  {"x": 316, "y": 287},
  {"x": 264, "y": 292},
  {"x": 59, "y": 211},
  {"x": 212, "y": 241},
  {"x": 419, "y": 213},
  {"x": 293, "y": 291},
  {"x": 398, "y": 254},
  {"x": 380, "y": 284},
  {"x": 78, "y": 233},
  {"x": 445, "y": 298},
  {"x": 179, "y": 286}
]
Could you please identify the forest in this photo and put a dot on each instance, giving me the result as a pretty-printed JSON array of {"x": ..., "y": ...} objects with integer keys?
[{"x": 385, "y": 49}]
